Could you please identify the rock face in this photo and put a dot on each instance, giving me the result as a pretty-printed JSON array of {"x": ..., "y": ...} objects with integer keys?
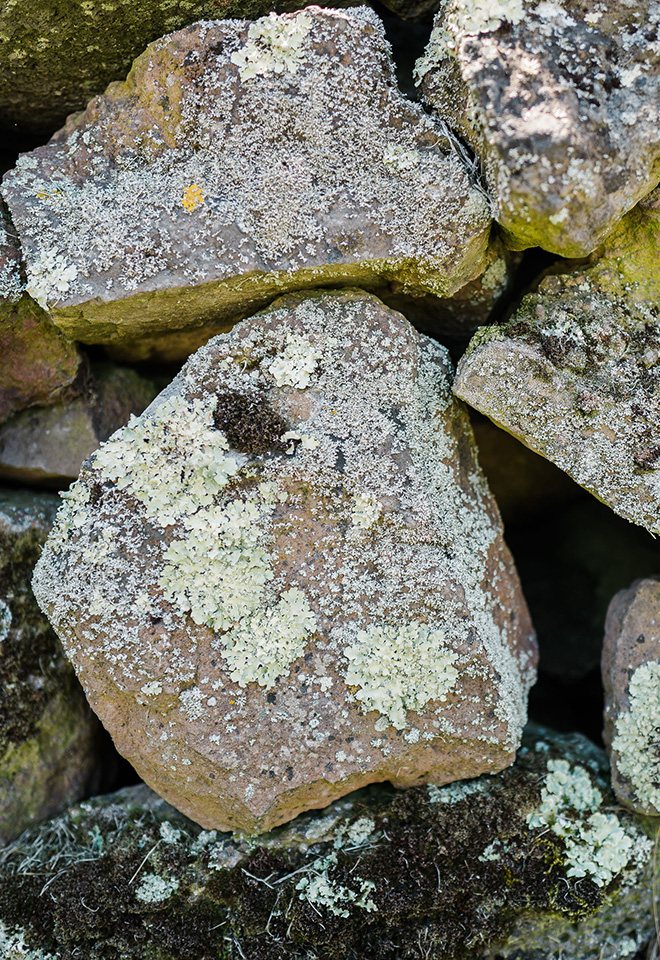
[
  {"x": 276, "y": 590},
  {"x": 560, "y": 101},
  {"x": 46, "y": 446},
  {"x": 575, "y": 373},
  {"x": 631, "y": 675},
  {"x": 39, "y": 365},
  {"x": 240, "y": 161},
  {"x": 380, "y": 875},
  {"x": 48, "y": 735}
]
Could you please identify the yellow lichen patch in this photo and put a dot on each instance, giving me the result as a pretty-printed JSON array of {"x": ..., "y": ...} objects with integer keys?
[{"x": 192, "y": 197}]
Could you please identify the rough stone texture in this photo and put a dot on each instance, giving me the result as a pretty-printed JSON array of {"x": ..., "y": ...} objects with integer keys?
[
  {"x": 47, "y": 732},
  {"x": 354, "y": 613},
  {"x": 46, "y": 446},
  {"x": 561, "y": 102},
  {"x": 556, "y": 871},
  {"x": 39, "y": 364},
  {"x": 631, "y": 676},
  {"x": 238, "y": 162},
  {"x": 575, "y": 373}
]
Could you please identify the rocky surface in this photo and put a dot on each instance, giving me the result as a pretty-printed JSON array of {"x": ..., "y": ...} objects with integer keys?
[
  {"x": 561, "y": 102},
  {"x": 276, "y": 591},
  {"x": 575, "y": 373},
  {"x": 631, "y": 677},
  {"x": 240, "y": 161},
  {"x": 39, "y": 365},
  {"x": 48, "y": 735},
  {"x": 555, "y": 868},
  {"x": 46, "y": 446}
]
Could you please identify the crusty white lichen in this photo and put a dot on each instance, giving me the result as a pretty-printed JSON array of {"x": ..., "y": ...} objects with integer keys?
[
  {"x": 319, "y": 889},
  {"x": 275, "y": 44},
  {"x": 5, "y": 620},
  {"x": 637, "y": 733},
  {"x": 400, "y": 668}
]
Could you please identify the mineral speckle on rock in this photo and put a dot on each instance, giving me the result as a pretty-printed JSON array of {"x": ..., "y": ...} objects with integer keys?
[
  {"x": 561, "y": 102},
  {"x": 276, "y": 588},
  {"x": 631, "y": 676},
  {"x": 240, "y": 161},
  {"x": 48, "y": 736},
  {"x": 549, "y": 855}
]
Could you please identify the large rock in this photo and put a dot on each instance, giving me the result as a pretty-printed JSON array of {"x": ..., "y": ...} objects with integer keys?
[
  {"x": 536, "y": 862},
  {"x": 46, "y": 446},
  {"x": 288, "y": 580},
  {"x": 575, "y": 374},
  {"x": 48, "y": 736},
  {"x": 561, "y": 102},
  {"x": 240, "y": 161},
  {"x": 631, "y": 676},
  {"x": 39, "y": 365}
]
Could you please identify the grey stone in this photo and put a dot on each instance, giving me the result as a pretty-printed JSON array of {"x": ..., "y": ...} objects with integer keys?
[
  {"x": 48, "y": 735},
  {"x": 534, "y": 862},
  {"x": 46, "y": 446},
  {"x": 277, "y": 588},
  {"x": 561, "y": 102},
  {"x": 241, "y": 161}
]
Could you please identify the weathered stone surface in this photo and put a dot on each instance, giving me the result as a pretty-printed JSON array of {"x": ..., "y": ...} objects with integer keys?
[
  {"x": 47, "y": 732},
  {"x": 39, "y": 364},
  {"x": 575, "y": 374},
  {"x": 535, "y": 862},
  {"x": 47, "y": 445},
  {"x": 631, "y": 676},
  {"x": 278, "y": 586},
  {"x": 240, "y": 161},
  {"x": 560, "y": 101}
]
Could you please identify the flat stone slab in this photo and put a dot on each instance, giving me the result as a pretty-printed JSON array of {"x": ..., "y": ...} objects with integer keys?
[
  {"x": 561, "y": 102},
  {"x": 240, "y": 161},
  {"x": 575, "y": 374},
  {"x": 287, "y": 579},
  {"x": 631, "y": 677},
  {"x": 549, "y": 855}
]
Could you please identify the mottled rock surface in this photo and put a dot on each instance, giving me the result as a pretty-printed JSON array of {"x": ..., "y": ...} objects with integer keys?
[
  {"x": 45, "y": 446},
  {"x": 39, "y": 364},
  {"x": 631, "y": 675},
  {"x": 47, "y": 732},
  {"x": 240, "y": 161},
  {"x": 556, "y": 872},
  {"x": 276, "y": 588},
  {"x": 575, "y": 374},
  {"x": 561, "y": 102}
]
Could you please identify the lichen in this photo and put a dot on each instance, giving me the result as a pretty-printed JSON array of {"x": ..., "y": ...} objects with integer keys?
[
  {"x": 49, "y": 277},
  {"x": 294, "y": 365},
  {"x": 155, "y": 889},
  {"x": 366, "y": 510},
  {"x": 400, "y": 668},
  {"x": 275, "y": 44},
  {"x": 636, "y": 740}
]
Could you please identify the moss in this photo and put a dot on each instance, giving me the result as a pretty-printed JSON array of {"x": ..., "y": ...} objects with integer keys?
[{"x": 249, "y": 423}]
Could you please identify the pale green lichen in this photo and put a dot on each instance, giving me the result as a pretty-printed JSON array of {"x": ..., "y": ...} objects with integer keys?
[
  {"x": 317, "y": 886},
  {"x": 636, "y": 741},
  {"x": 453, "y": 792},
  {"x": 294, "y": 365},
  {"x": 274, "y": 45},
  {"x": 399, "y": 669},
  {"x": 49, "y": 277},
  {"x": 155, "y": 889},
  {"x": 366, "y": 510}
]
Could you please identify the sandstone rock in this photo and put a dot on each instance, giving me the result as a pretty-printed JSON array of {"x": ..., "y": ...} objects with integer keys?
[
  {"x": 631, "y": 676},
  {"x": 39, "y": 364},
  {"x": 507, "y": 866},
  {"x": 47, "y": 732},
  {"x": 287, "y": 579},
  {"x": 560, "y": 101},
  {"x": 46, "y": 446},
  {"x": 575, "y": 373},
  {"x": 240, "y": 161}
]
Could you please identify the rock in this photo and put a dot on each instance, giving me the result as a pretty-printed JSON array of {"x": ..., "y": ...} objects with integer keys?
[
  {"x": 39, "y": 365},
  {"x": 631, "y": 676},
  {"x": 575, "y": 373},
  {"x": 561, "y": 103},
  {"x": 47, "y": 732},
  {"x": 380, "y": 874},
  {"x": 206, "y": 185},
  {"x": 46, "y": 446},
  {"x": 240, "y": 575}
]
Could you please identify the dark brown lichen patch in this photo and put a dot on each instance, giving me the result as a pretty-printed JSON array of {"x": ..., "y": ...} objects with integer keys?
[{"x": 249, "y": 422}]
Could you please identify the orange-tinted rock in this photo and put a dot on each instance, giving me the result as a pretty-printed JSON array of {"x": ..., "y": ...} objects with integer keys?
[{"x": 287, "y": 579}]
